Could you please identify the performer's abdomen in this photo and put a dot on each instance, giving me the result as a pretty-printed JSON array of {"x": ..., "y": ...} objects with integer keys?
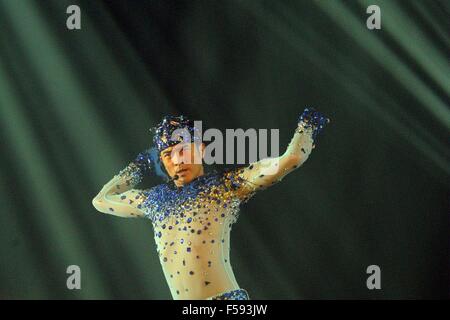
[{"x": 197, "y": 265}]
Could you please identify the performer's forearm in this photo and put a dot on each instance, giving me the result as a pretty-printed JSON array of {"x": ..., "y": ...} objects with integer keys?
[
  {"x": 117, "y": 196},
  {"x": 130, "y": 176},
  {"x": 125, "y": 180},
  {"x": 299, "y": 148},
  {"x": 267, "y": 172}
]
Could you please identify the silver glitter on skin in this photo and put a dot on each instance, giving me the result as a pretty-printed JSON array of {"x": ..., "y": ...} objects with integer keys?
[{"x": 192, "y": 223}]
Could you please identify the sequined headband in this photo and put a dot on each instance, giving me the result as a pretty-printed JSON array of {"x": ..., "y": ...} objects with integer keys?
[{"x": 165, "y": 135}]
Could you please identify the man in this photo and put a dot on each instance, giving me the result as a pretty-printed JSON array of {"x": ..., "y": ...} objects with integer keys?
[{"x": 192, "y": 213}]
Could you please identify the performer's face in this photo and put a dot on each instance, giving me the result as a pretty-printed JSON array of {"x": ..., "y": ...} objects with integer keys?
[{"x": 183, "y": 160}]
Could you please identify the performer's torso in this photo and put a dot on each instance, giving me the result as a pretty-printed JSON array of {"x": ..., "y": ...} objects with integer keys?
[{"x": 192, "y": 233}]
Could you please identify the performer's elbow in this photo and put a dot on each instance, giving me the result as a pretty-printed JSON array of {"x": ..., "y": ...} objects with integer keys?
[
  {"x": 98, "y": 203},
  {"x": 294, "y": 160}
]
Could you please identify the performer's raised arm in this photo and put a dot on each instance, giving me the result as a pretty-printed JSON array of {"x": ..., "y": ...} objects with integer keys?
[
  {"x": 117, "y": 197},
  {"x": 266, "y": 172}
]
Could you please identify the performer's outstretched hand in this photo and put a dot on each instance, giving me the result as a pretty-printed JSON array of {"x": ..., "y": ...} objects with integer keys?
[
  {"x": 144, "y": 160},
  {"x": 312, "y": 120}
]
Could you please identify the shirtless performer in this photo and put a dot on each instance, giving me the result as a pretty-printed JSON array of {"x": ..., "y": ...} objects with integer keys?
[{"x": 192, "y": 214}]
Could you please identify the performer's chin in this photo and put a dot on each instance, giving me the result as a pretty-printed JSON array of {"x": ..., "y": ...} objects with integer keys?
[{"x": 183, "y": 177}]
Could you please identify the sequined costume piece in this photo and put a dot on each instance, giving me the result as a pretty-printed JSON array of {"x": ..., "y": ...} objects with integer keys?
[
  {"x": 312, "y": 119},
  {"x": 192, "y": 223},
  {"x": 174, "y": 129},
  {"x": 239, "y": 294},
  {"x": 167, "y": 201}
]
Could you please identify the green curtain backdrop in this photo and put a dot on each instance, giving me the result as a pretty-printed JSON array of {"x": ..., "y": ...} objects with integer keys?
[{"x": 76, "y": 106}]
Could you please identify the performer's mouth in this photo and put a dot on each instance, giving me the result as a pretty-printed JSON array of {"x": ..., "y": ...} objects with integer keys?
[{"x": 180, "y": 171}]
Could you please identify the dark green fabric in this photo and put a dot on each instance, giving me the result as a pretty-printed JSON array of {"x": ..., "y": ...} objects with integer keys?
[{"x": 76, "y": 106}]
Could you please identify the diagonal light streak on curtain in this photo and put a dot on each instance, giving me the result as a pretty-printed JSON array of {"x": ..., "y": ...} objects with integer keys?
[
  {"x": 410, "y": 37},
  {"x": 75, "y": 107},
  {"x": 40, "y": 185},
  {"x": 392, "y": 64},
  {"x": 431, "y": 148},
  {"x": 72, "y": 107}
]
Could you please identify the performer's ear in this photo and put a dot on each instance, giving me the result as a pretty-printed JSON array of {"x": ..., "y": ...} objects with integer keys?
[{"x": 158, "y": 167}]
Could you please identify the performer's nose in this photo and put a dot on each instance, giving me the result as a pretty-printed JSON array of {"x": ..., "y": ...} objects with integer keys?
[{"x": 177, "y": 157}]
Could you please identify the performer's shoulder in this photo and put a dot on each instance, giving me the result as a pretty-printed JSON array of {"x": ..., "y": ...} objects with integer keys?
[
  {"x": 220, "y": 174},
  {"x": 232, "y": 177},
  {"x": 232, "y": 172}
]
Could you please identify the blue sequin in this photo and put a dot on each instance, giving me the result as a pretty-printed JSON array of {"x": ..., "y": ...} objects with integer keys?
[
  {"x": 239, "y": 294},
  {"x": 310, "y": 118}
]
